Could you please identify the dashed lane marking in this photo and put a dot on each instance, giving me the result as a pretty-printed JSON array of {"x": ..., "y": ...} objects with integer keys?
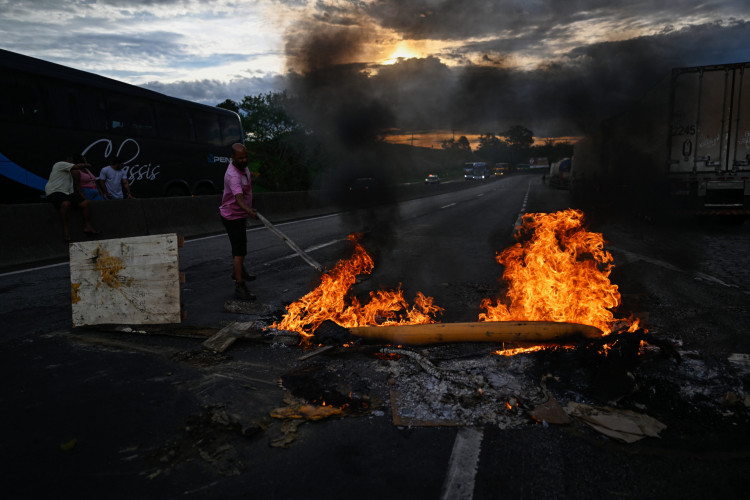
[
  {"x": 462, "y": 466},
  {"x": 523, "y": 207}
]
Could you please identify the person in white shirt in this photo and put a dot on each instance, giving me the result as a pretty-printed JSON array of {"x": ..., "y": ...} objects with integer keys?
[{"x": 113, "y": 182}]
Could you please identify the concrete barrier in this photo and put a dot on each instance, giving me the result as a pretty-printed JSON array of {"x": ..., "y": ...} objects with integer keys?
[{"x": 32, "y": 233}]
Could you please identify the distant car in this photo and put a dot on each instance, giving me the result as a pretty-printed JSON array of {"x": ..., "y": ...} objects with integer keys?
[{"x": 432, "y": 179}]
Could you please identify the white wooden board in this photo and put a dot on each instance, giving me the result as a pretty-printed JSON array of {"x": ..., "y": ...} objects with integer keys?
[{"x": 125, "y": 281}]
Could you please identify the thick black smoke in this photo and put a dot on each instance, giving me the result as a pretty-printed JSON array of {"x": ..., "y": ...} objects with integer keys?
[
  {"x": 564, "y": 98},
  {"x": 340, "y": 102},
  {"x": 352, "y": 104}
]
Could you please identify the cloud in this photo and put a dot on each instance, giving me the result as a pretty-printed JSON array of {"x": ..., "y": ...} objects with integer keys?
[
  {"x": 566, "y": 95},
  {"x": 168, "y": 39},
  {"x": 553, "y": 66},
  {"x": 213, "y": 92},
  {"x": 466, "y": 19}
]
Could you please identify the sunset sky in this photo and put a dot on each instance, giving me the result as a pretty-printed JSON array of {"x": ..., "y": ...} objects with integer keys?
[{"x": 473, "y": 65}]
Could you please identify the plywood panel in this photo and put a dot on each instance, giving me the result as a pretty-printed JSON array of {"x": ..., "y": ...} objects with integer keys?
[{"x": 125, "y": 281}]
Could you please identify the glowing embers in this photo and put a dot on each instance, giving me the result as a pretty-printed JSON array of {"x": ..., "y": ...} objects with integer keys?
[
  {"x": 558, "y": 271},
  {"x": 331, "y": 301}
]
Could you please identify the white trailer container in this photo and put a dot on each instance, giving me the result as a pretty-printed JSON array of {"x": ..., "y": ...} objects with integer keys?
[{"x": 687, "y": 142}]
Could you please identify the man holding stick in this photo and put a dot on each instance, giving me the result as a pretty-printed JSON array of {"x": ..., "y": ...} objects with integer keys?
[{"x": 236, "y": 207}]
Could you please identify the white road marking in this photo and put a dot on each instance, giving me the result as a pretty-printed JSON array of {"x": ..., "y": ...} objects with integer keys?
[
  {"x": 50, "y": 266},
  {"x": 258, "y": 228},
  {"x": 633, "y": 257},
  {"x": 523, "y": 207},
  {"x": 448, "y": 205},
  {"x": 307, "y": 250},
  {"x": 192, "y": 240},
  {"x": 462, "y": 466}
]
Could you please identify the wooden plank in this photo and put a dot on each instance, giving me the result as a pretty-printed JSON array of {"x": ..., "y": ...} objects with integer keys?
[
  {"x": 125, "y": 281},
  {"x": 225, "y": 337},
  {"x": 222, "y": 339},
  {"x": 319, "y": 350}
]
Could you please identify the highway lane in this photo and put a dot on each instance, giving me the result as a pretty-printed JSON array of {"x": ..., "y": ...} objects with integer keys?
[
  {"x": 108, "y": 415},
  {"x": 422, "y": 244},
  {"x": 131, "y": 393},
  {"x": 419, "y": 243}
]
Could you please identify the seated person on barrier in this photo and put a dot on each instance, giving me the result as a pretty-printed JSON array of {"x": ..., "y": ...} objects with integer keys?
[
  {"x": 113, "y": 183},
  {"x": 62, "y": 193},
  {"x": 86, "y": 181}
]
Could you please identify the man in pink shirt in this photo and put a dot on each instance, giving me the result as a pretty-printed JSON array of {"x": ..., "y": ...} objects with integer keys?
[{"x": 236, "y": 206}]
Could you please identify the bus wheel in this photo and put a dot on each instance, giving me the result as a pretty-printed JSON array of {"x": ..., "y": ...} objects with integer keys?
[
  {"x": 176, "y": 191},
  {"x": 203, "y": 189}
]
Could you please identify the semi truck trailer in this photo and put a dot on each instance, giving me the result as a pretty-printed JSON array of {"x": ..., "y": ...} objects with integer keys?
[{"x": 684, "y": 147}]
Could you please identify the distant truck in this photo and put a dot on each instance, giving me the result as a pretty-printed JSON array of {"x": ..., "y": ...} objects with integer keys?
[
  {"x": 559, "y": 174},
  {"x": 685, "y": 146},
  {"x": 501, "y": 169},
  {"x": 541, "y": 163}
]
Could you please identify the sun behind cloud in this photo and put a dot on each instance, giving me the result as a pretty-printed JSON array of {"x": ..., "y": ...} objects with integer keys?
[{"x": 403, "y": 50}]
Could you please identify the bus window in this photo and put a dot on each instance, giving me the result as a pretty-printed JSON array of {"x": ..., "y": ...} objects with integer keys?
[
  {"x": 130, "y": 116},
  {"x": 60, "y": 104},
  {"x": 230, "y": 130},
  {"x": 19, "y": 100},
  {"x": 207, "y": 129},
  {"x": 88, "y": 109},
  {"x": 174, "y": 123}
]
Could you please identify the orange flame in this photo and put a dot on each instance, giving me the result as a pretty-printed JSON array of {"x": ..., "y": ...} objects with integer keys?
[
  {"x": 557, "y": 271},
  {"x": 330, "y": 301},
  {"x": 519, "y": 350}
]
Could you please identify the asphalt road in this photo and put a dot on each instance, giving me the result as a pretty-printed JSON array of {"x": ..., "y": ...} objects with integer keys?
[{"x": 97, "y": 414}]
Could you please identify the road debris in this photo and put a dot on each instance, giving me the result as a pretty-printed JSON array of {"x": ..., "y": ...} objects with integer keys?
[{"x": 624, "y": 425}]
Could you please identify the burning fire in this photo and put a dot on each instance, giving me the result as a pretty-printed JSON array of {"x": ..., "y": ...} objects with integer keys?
[
  {"x": 331, "y": 301},
  {"x": 558, "y": 272},
  {"x": 519, "y": 350}
]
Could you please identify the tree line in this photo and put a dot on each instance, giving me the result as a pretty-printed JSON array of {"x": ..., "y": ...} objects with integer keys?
[
  {"x": 290, "y": 155},
  {"x": 513, "y": 146}
]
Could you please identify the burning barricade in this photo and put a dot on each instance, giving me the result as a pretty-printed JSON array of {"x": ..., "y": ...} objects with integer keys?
[
  {"x": 558, "y": 278},
  {"x": 559, "y": 296},
  {"x": 331, "y": 301}
]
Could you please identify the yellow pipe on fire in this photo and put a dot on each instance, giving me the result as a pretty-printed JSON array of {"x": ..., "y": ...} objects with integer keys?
[{"x": 486, "y": 331}]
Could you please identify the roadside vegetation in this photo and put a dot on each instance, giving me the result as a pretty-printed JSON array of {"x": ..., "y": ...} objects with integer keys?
[{"x": 292, "y": 156}]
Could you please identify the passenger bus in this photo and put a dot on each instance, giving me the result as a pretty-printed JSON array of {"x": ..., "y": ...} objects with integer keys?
[
  {"x": 170, "y": 147},
  {"x": 476, "y": 170}
]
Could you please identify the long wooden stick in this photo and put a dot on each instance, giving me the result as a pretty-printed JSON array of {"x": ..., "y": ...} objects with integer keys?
[
  {"x": 289, "y": 242},
  {"x": 486, "y": 331}
]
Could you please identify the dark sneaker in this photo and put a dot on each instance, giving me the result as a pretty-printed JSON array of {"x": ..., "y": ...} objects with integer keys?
[
  {"x": 245, "y": 275},
  {"x": 241, "y": 292}
]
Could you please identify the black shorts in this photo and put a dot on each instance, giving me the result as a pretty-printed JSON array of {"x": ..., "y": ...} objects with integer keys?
[
  {"x": 236, "y": 229},
  {"x": 58, "y": 198}
]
